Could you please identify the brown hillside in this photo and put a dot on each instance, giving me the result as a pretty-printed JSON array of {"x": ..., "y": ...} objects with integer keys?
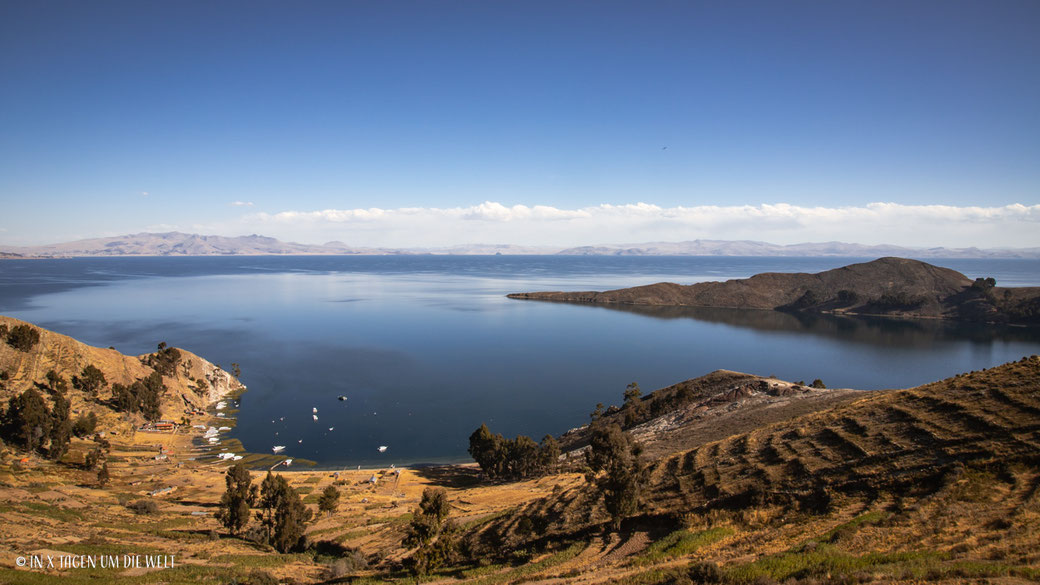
[
  {"x": 713, "y": 407},
  {"x": 68, "y": 357},
  {"x": 948, "y": 471},
  {"x": 894, "y": 286}
]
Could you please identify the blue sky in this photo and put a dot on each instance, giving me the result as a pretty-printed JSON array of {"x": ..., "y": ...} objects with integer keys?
[{"x": 404, "y": 123}]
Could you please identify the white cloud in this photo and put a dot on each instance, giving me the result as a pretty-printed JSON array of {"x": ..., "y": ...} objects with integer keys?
[
  {"x": 242, "y": 203},
  {"x": 162, "y": 227},
  {"x": 1013, "y": 225}
]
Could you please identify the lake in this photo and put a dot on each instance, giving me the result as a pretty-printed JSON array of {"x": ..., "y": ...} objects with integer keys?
[{"x": 426, "y": 348}]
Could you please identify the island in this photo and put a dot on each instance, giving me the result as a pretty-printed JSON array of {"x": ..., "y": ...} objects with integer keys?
[{"x": 894, "y": 287}]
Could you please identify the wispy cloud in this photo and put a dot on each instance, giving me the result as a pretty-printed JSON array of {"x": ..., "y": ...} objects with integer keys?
[
  {"x": 242, "y": 203},
  {"x": 1013, "y": 225},
  {"x": 163, "y": 227}
]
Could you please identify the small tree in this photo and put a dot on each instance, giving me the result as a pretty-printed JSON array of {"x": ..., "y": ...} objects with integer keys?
[
  {"x": 487, "y": 450},
  {"x": 431, "y": 533},
  {"x": 635, "y": 410},
  {"x": 237, "y": 499},
  {"x": 27, "y": 421},
  {"x": 288, "y": 517},
  {"x": 102, "y": 475},
  {"x": 524, "y": 457},
  {"x": 818, "y": 383},
  {"x": 267, "y": 502},
  {"x": 149, "y": 395},
  {"x": 23, "y": 337},
  {"x": 597, "y": 413},
  {"x": 984, "y": 284},
  {"x": 617, "y": 456},
  {"x": 61, "y": 428},
  {"x": 329, "y": 500},
  {"x": 56, "y": 382},
  {"x": 85, "y": 425},
  {"x": 550, "y": 454},
  {"x": 90, "y": 380},
  {"x": 123, "y": 398},
  {"x": 92, "y": 458},
  {"x": 164, "y": 360}
]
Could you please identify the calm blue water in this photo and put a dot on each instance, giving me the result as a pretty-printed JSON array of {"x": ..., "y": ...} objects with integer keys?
[{"x": 428, "y": 347}]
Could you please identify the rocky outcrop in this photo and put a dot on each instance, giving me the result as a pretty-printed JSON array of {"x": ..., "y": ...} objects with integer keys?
[{"x": 712, "y": 407}]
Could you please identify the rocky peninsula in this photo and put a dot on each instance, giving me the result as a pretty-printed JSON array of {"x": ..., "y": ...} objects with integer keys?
[{"x": 895, "y": 287}]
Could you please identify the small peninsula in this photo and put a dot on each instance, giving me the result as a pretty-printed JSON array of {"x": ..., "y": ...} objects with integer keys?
[{"x": 895, "y": 287}]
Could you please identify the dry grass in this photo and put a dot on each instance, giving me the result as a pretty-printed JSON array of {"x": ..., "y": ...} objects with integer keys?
[{"x": 940, "y": 483}]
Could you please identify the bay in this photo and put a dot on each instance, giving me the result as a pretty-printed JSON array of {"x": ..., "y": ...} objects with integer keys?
[{"x": 428, "y": 347}]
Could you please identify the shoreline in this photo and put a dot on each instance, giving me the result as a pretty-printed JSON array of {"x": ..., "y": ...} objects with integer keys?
[{"x": 209, "y": 453}]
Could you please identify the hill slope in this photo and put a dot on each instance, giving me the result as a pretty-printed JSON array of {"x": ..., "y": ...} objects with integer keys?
[
  {"x": 712, "y": 407},
  {"x": 889, "y": 286},
  {"x": 68, "y": 357},
  {"x": 938, "y": 481}
]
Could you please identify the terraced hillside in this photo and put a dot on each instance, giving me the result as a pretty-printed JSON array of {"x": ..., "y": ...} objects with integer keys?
[{"x": 940, "y": 481}]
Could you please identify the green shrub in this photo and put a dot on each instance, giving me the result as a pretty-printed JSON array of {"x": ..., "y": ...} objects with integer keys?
[
  {"x": 144, "y": 507},
  {"x": 23, "y": 337}
]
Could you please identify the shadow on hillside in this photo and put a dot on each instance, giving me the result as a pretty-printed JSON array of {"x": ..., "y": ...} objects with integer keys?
[
  {"x": 450, "y": 476},
  {"x": 197, "y": 503}
]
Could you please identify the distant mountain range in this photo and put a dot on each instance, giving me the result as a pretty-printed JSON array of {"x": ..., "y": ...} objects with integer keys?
[
  {"x": 752, "y": 248},
  {"x": 181, "y": 244}
]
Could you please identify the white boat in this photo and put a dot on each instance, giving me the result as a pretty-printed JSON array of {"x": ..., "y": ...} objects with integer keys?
[
  {"x": 383, "y": 448},
  {"x": 287, "y": 462},
  {"x": 236, "y": 458},
  {"x": 314, "y": 410},
  {"x": 315, "y": 417},
  {"x": 278, "y": 448},
  {"x": 342, "y": 398},
  {"x": 224, "y": 429},
  {"x": 225, "y": 456}
]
